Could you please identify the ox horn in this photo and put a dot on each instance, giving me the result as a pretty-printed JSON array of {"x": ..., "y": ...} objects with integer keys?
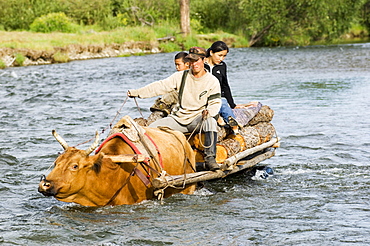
[
  {"x": 94, "y": 145},
  {"x": 60, "y": 139}
]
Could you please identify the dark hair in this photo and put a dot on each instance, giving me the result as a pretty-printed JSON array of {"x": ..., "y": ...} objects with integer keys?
[
  {"x": 182, "y": 55},
  {"x": 217, "y": 47}
]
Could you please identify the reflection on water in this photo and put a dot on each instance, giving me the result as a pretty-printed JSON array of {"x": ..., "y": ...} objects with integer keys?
[{"x": 318, "y": 195}]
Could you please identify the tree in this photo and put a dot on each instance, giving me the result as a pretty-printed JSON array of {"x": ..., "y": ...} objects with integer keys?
[
  {"x": 185, "y": 17},
  {"x": 298, "y": 21},
  {"x": 365, "y": 15}
]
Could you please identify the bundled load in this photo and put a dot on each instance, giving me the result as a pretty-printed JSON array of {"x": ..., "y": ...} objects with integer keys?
[{"x": 255, "y": 128}]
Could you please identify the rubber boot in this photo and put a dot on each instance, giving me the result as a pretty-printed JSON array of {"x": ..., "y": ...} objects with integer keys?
[
  {"x": 234, "y": 125},
  {"x": 210, "y": 152}
]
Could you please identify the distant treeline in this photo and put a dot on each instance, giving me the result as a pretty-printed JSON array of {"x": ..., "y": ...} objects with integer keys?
[{"x": 263, "y": 22}]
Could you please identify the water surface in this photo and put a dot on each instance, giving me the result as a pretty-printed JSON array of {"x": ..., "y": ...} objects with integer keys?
[{"x": 319, "y": 194}]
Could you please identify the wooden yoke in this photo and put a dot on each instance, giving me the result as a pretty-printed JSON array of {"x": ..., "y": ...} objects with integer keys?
[{"x": 127, "y": 158}]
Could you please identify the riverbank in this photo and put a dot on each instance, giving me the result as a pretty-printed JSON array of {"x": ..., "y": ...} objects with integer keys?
[
  {"x": 28, "y": 48},
  {"x": 26, "y": 57}
]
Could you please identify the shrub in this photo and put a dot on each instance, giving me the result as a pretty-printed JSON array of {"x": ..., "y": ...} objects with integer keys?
[
  {"x": 61, "y": 57},
  {"x": 19, "y": 59},
  {"x": 53, "y": 22},
  {"x": 2, "y": 64},
  {"x": 169, "y": 47},
  {"x": 113, "y": 22}
]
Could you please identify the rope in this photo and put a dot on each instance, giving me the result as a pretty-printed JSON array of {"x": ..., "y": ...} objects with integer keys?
[
  {"x": 137, "y": 105},
  {"x": 201, "y": 123},
  {"x": 157, "y": 164},
  {"x": 186, "y": 158},
  {"x": 123, "y": 185},
  {"x": 110, "y": 124}
]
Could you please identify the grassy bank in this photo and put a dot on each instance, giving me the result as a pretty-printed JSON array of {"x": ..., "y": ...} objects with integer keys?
[
  {"x": 47, "y": 41},
  {"x": 29, "y": 48},
  {"x": 63, "y": 47}
]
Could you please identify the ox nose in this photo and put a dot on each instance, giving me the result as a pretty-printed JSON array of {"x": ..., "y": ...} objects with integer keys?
[{"x": 45, "y": 187}]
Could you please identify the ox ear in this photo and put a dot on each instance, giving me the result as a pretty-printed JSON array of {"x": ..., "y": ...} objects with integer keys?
[
  {"x": 94, "y": 145},
  {"x": 98, "y": 163},
  {"x": 60, "y": 139}
]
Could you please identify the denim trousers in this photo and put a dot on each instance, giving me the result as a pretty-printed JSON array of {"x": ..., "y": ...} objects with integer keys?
[{"x": 226, "y": 111}]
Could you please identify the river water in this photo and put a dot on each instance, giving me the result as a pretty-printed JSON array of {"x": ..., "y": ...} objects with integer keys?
[{"x": 319, "y": 194}]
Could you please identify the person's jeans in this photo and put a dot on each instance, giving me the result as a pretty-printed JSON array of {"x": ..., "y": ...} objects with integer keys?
[{"x": 226, "y": 111}]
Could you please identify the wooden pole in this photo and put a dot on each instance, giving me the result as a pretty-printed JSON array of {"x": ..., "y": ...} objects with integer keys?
[
  {"x": 233, "y": 159},
  {"x": 126, "y": 158},
  {"x": 179, "y": 180}
]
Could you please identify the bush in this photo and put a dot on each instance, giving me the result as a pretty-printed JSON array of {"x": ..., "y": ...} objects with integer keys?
[
  {"x": 61, "y": 57},
  {"x": 53, "y": 22},
  {"x": 19, "y": 59},
  {"x": 2, "y": 64},
  {"x": 169, "y": 47},
  {"x": 113, "y": 22}
]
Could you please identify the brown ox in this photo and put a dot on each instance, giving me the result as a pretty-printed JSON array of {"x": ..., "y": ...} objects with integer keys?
[{"x": 98, "y": 181}]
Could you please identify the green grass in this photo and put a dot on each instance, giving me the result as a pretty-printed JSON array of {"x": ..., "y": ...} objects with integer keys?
[
  {"x": 88, "y": 36},
  {"x": 47, "y": 41},
  {"x": 2, "y": 64},
  {"x": 92, "y": 35},
  {"x": 61, "y": 57},
  {"x": 19, "y": 59}
]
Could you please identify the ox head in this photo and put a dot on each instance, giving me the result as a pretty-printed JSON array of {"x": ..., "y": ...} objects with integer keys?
[{"x": 70, "y": 170}]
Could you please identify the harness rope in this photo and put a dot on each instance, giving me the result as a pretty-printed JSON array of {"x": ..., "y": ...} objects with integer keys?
[
  {"x": 110, "y": 124},
  {"x": 123, "y": 185},
  {"x": 201, "y": 123},
  {"x": 157, "y": 164},
  {"x": 160, "y": 193},
  {"x": 186, "y": 159}
]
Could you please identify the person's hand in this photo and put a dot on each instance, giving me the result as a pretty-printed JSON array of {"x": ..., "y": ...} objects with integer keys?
[
  {"x": 204, "y": 114},
  {"x": 129, "y": 94},
  {"x": 251, "y": 104},
  {"x": 240, "y": 106}
]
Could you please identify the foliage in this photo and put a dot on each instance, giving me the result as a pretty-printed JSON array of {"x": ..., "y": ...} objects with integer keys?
[
  {"x": 288, "y": 21},
  {"x": 262, "y": 22},
  {"x": 86, "y": 12},
  {"x": 169, "y": 47},
  {"x": 217, "y": 14},
  {"x": 2, "y": 64},
  {"x": 19, "y": 14},
  {"x": 113, "y": 22},
  {"x": 19, "y": 59},
  {"x": 53, "y": 22},
  {"x": 279, "y": 22},
  {"x": 189, "y": 41},
  {"x": 365, "y": 15},
  {"x": 61, "y": 57}
]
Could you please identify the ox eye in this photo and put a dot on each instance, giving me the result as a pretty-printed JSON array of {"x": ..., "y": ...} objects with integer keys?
[{"x": 74, "y": 167}]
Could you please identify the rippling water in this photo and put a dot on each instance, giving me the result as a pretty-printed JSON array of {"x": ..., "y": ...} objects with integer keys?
[{"x": 319, "y": 194}]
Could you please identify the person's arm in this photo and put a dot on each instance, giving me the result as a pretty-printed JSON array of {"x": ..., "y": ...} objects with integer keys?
[
  {"x": 214, "y": 100},
  {"x": 226, "y": 89},
  {"x": 156, "y": 88}
]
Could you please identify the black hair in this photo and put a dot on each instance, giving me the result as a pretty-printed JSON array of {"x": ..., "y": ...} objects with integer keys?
[
  {"x": 217, "y": 47},
  {"x": 182, "y": 55}
]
